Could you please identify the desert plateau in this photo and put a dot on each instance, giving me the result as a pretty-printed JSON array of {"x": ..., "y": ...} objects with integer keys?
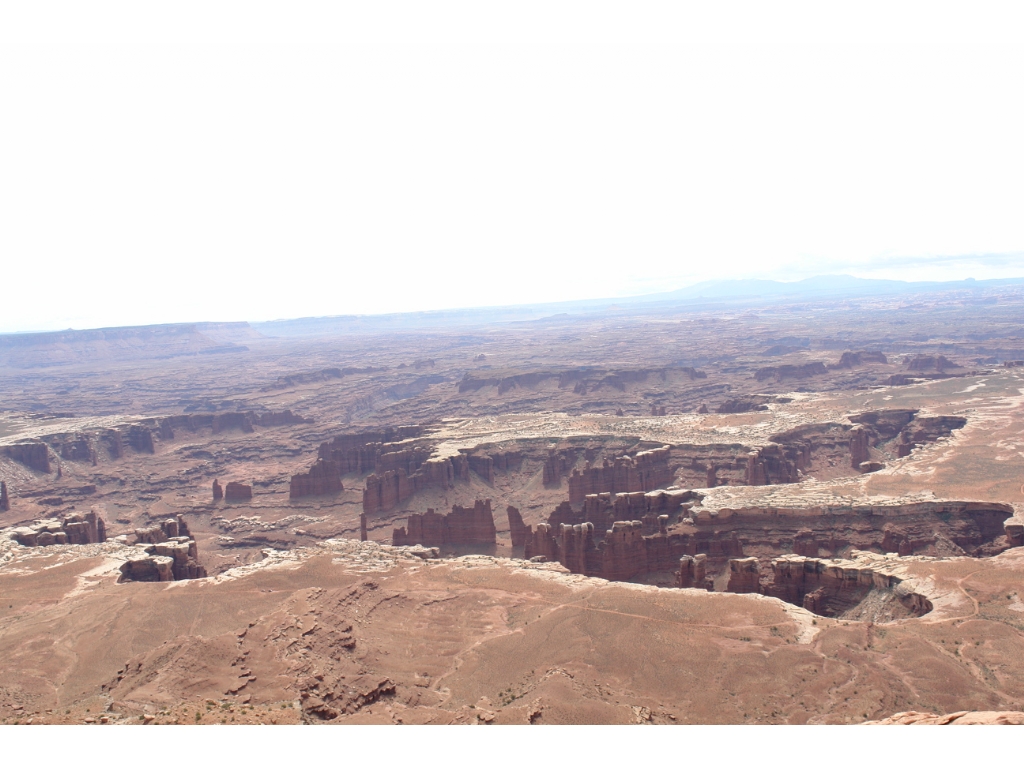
[{"x": 802, "y": 507}]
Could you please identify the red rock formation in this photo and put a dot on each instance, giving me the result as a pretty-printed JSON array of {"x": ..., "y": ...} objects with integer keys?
[
  {"x": 644, "y": 472},
  {"x": 783, "y": 372},
  {"x": 831, "y": 587},
  {"x": 384, "y": 492},
  {"x": 540, "y": 542},
  {"x": 277, "y": 418},
  {"x": 625, "y": 552},
  {"x": 166, "y": 552},
  {"x": 237, "y": 492},
  {"x": 141, "y": 439},
  {"x": 77, "y": 528},
  {"x": 744, "y": 575},
  {"x": 5, "y": 502},
  {"x": 323, "y": 477},
  {"x": 947, "y": 527},
  {"x": 1014, "y": 530},
  {"x": 927, "y": 429},
  {"x": 557, "y": 464},
  {"x": 222, "y": 421},
  {"x": 930, "y": 363},
  {"x": 517, "y": 528},
  {"x": 464, "y": 526},
  {"x": 362, "y": 527},
  {"x": 33, "y": 455},
  {"x": 357, "y": 453},
  {"x": 115, "y": 444},
  {"x": 218, "y": 492},
  {"x": 745, "y": 404},
  {"x": 863, "y": 357},
  {"x": 692, "y": 572}
]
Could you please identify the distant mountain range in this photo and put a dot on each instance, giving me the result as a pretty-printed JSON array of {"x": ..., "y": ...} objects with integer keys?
[
  {"x": 206, "y": 338},
  {"x": 823, "y": 285},
  {"x": 720, "y": 293}
]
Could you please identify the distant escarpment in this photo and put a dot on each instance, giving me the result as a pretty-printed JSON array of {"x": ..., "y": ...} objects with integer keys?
[
  {"x": 784, "y": 372},
  {"x": 464, "y": 526},
  {"x": 856, "y": 359},
  {"x": 145, "y": 342},
  {"x": 314, "y": 377},
  {"x": 581, "y": 380}
]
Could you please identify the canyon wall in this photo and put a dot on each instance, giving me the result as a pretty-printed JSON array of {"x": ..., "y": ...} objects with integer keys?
[
  {"x": 464, "y": 526},
  {"x": 323, "y": 477}
]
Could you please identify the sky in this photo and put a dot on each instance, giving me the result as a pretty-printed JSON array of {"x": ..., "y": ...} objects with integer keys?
[{"x": 168, "y": 162}]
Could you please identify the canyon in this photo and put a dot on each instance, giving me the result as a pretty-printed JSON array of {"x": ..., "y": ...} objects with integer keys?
[{"x": 492, "y": 523}]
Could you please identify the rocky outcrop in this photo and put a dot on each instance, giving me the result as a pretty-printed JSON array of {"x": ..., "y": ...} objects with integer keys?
[
  {"x": 925, "y": 528},
  {"x": 324, "y": 477},
  {"x": 516, "y": 527},
  {"x": 745, "y": 404},
  {"x": 218, "y": 492},
  {"x": 927, "y": 429},
  {"x": 557, "y": 465},
  {"x": 78, "y": 528},
  {"x": 237, "y": 492},
  {"x": 225, "y": 421},
  {"x": 857, "y": 359},
  {"x": 834, "y": 587},
  {"x": 925, "y": 363},
  {"x": 386, "y": 491},
  {"x": 5, "y": 502},
  {"x": 140, "y": 438},
  {"x": 33, "y": 455},
  {"x": 644, "y": 472},
  {"x": 357, "y": 453},
  {"x": 692, "y": 572},
  {"x": 744, "y": 575},
  {"x": 464, "y": 526},
  {"x": 163, "y": 552},
  {"x": 784, "y": 372}
]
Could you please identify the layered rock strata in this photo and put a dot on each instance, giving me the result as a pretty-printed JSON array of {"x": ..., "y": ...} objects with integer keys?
[
  {"x": 386, "y": 491},
  {"x": 33, "y": 455},
  {"x": 237, "y": 492},
  {"x": 87, "y": 528},
  {"x": 464, "y": 526},
  {"x": 5, "y": 502},
  {"x": 164, "y": 552},
  {"x": 644, "y": 472},
  {"x": 324, "y": 477},
  {"x": 833, "y": 587},
  {"x": 516, "y": 527}
]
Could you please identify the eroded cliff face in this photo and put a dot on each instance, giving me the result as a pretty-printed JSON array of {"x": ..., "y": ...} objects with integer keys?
[
  {"x": 464, "y": 526},
  {"x": 868, "y": 586},
  {"x": 163, "y": 552},
  {"x": 671, "y": 541},
  {"x": 78, "y": 528},
  {"x": 324, "y": 477}
]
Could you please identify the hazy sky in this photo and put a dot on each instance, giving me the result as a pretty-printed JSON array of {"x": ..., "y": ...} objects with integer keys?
[{"x": 207, "y": 160}]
